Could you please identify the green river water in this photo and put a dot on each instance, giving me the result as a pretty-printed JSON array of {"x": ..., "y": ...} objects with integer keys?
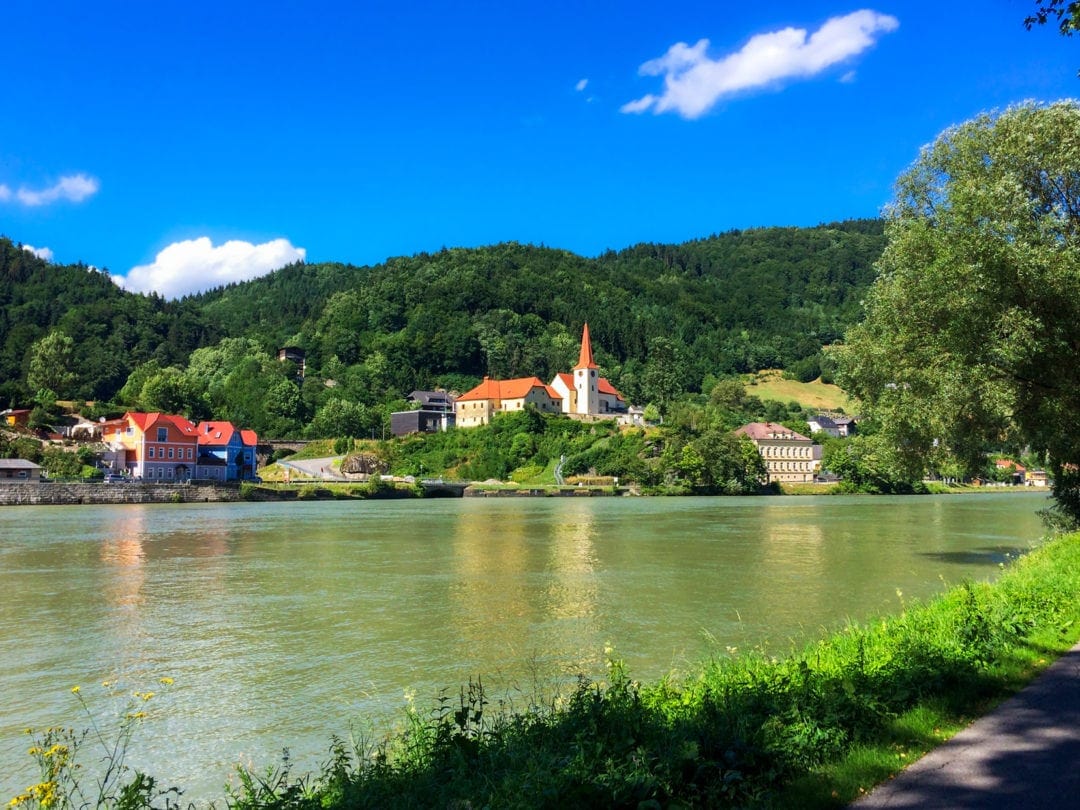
[{"x": 284, "y": 623}]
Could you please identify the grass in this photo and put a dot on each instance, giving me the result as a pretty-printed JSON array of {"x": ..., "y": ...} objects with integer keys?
[
  {"x": 816, "y": 395},
  {"x": 814, "y": 729}
]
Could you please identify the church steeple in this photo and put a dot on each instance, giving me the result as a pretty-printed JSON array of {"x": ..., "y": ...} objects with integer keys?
[
  {"x": 587, "y": 399},
  {"x": 585, "y": 359}
]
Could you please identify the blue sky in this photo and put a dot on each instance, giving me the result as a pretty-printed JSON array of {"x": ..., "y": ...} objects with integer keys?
[{"x": 181, "y": 145}]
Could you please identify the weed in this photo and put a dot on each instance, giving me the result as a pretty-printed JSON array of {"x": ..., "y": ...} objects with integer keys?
[{"x": 65, "y": 782}]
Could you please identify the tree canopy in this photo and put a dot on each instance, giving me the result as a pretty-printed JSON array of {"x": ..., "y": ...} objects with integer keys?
[{"x": 972, "y": 328}]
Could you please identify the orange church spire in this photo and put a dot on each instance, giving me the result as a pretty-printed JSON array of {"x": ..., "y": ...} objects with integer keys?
[{"x": 585, "y": 359}]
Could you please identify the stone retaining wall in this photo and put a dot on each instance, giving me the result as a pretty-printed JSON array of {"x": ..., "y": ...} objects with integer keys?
[{"x": 91, "y": 493}]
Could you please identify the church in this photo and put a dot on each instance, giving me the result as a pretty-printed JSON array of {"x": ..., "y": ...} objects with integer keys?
[{"x": 582, "y": 394}]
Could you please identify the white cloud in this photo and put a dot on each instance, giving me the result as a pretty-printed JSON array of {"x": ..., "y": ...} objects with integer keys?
[
  {"x": 581, "y": 85},
  {"x": 42, "y": 253},
  {"x": 196, "y": 265},
  {"x": 72, "y": 188},
  {"x": 693, "y": 82}
]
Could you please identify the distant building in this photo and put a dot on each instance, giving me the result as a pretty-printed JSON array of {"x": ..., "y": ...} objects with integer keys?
[
  {"x": 16, "y": 417},
  {"x": 1037, "y": 478},
  {"x": 582, "y": 394},
  {"x": 476, "y": 407},
  {"x": 226, "y": 453},
  {"x": 18, "y": 471},
  {"x": 402, "y": 423},
  {"x": 836, "y": 426},
  {"x": 585, "y": 392},
  {"x": 789, "y": 456},
  {"x": 152, "y": 446},
  {"x": 294, "y": 354},
  {"x": 437, "y": 401}
]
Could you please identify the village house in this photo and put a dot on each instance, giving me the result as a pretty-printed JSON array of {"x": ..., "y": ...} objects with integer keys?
[
  {"x": 18, "y": 471},
  {"x": 839, "y": 427},
  {"x": 476, "y": 407},
  {"x": 16, "y": 417},
  {"x": 789, "y": 456},
  {"x": 435, "y": 413},
  {"x": 1037, "y": 478},
  {"x": 1016, "y": 472},
  {"x": 152, "y": 446},
  {"x": 583, "y": 394},
  {"x": 225, "y": 452}
]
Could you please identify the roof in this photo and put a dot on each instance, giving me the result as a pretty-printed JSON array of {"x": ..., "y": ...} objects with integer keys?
[
  {"x": 145, "y": 421},
  {"x": 1008, "y": 464},
  {"x": 763, "y": 431},
  {"x": 602, "y": 385},
  {"x": 425, "y": 397},
  {"x": 585, "y": 359},
  {"x": 507, "y": 389},
  {"x": 18, "y": 464},
  {"x": 214, "y": 434}
]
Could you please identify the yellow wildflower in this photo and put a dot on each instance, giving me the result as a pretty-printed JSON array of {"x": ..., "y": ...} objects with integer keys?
[
  {"x": 74, "y": 690},
  {"x": 165, "y": 681}
]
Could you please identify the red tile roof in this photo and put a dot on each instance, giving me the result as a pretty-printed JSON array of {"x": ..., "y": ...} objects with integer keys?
[
  {"x": 145, "y": 421},
  {"x": 761, "y": 431},
  {"x": 602, "y": 385},
  {"x": 507, "y": 389}
]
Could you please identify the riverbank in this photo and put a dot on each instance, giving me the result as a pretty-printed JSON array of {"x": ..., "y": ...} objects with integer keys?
[
  {"x": 811, "y": 729},
  {"x": 816, "y": 729},
  {"x": 79, "y": 493}
]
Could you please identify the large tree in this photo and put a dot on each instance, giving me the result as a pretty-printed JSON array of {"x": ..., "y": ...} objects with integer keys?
[{"x": 972, "y": 329}]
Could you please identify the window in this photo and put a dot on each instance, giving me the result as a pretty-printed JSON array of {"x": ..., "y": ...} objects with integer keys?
[
  {"x": 162, "y": 434},
  {"x": 170, "y": 452},
  {"x": 150, "y": 453}
]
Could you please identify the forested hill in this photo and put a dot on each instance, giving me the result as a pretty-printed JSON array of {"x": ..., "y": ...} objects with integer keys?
[
  {"x": 112, "y": 330},
  {"x": 737, "y": 301}
]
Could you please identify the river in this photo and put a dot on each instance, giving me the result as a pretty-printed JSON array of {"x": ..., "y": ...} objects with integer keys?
[{"x": 283, "y": 623}]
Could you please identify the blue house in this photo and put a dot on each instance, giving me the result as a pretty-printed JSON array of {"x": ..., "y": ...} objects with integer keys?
[{"x": 226, "y": 453}]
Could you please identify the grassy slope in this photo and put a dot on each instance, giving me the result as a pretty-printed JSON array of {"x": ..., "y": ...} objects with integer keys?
[{"x": 816, "y": 394}]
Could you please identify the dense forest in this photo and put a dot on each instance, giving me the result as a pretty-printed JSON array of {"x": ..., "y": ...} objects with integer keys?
[{"x": 665, "y": 320}]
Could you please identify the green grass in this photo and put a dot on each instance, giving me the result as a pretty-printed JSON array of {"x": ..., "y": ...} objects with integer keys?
[
  {"x": 814, "y": 729},
  {"x": 816, "y": 395}
]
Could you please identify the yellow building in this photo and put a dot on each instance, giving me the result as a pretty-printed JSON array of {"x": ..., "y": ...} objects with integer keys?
[
  {"x": 789, "y": 456},
  {"x": 476, "y": 407}
]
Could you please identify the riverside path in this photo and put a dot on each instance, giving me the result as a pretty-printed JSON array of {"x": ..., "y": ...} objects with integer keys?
[{"x": 1024, "y": 754}]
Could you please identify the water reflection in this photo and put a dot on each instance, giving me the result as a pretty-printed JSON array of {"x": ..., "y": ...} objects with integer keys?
[{"x": 280, "y": 624}]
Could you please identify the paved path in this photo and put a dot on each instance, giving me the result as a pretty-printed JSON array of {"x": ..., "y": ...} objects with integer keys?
[
  {"x": 1025, "y": 754},
  {"x": 314, "y": 468}
]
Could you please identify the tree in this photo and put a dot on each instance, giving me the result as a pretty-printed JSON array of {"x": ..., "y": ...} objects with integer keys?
[
  {"x": 973, "y": 326},
  {"x": 50, "y": 364},
  {"x": 1065, "y": 12}
]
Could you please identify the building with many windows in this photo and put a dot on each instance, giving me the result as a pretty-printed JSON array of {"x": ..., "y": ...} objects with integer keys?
[
  {"x": 153, "y": 446},
  {"x": 789, "y": 456}
]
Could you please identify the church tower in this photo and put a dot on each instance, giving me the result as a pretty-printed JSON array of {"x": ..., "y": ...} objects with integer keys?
[{"x": 586, "y": 379}]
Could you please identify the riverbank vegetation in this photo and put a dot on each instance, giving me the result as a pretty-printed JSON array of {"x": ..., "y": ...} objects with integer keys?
[{"x": 814, "y": 728}]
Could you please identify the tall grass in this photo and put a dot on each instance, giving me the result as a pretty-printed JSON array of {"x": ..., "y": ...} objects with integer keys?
[{"x": 811, "y": 729}]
